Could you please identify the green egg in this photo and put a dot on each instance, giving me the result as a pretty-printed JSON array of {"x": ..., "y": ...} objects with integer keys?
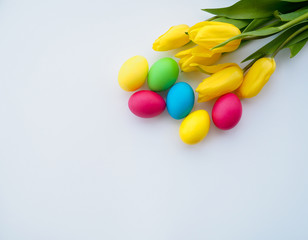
[{"x": 163, "y": 74}]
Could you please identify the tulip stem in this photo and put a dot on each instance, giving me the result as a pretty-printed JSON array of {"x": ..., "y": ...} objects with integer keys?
[
  {"x": 293, "y": 22},
  {"x": 289, "y": 39},
  {"x": 266, "y": 31},
  {"x": 299, "y": 31},
  {"x": 249, "y": 65},
  {"x": 273, "y": 23}
]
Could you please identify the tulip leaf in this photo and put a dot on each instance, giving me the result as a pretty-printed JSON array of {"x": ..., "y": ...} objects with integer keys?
[
  {"x": 290, "y": 16},
  {"x": 272, "y": 46},
  {"x": 239, "y": 23},
  {"x": 295, "y": 1},
  {"x": 248, "y": 9},
  {"x": 295, "y": 48},
  {"x": 254, "y": 24},
  {"x": 297, "y": 43},
  {"x": 298, "y": 38}
]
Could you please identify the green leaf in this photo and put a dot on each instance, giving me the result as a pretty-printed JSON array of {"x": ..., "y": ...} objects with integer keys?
[
  {"x": 271, "y": 47},
  {"x": 295, "y": 1},
  {"x": 297, "y": 43},
  {"x": 236, "y": 22},
  {"x": 249, "y": 9},
  {"x": 290, "y": 16},
  {"x": 298, "y": 38},
  {"x": 295, "y": 48},
  {"x": 254, "y": 24}
]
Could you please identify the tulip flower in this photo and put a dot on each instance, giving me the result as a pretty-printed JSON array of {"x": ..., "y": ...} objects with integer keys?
[
  {"x": 196, "y": 51},
  {"x": 174, "y": 38},
  {"x": 213, "y": 68},
  {"x": 196, "y": 55},
  {"x": 222, "y": 82},
  {"x": 186, "y": 63},
  {"x": 209, "y": 34},
  {"x": 257, "y": 76}
]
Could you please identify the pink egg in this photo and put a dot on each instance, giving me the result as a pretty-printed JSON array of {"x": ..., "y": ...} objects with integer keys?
[
  {"x": 146, "y": 104},
  {"x": 227, "y": 111}
]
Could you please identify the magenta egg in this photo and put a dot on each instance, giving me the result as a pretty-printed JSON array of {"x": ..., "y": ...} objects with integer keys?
[
  {"x": 146, "y": 104},
  {"x": 227, "y": 111}
]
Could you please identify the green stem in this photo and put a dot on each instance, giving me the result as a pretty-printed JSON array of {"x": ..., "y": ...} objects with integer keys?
[
  {"x": 273, "y": 24},
  {"x": 256, "y": 23},
  {"x": 289, "y": 39},
  {"x": 266, "y": 31},
  {"x": 299, "y": 31},
  {"x": 293, "y": 22}
]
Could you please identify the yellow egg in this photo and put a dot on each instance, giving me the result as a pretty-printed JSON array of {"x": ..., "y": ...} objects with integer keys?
[
  {"x": 133, "y": 73},
  {"x": 195, "y": 127}
]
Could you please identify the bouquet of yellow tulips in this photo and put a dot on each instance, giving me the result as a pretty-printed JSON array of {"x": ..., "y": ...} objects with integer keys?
[
  {"x": 226, "y": 31},
  {"x": 233, "y": 26}
]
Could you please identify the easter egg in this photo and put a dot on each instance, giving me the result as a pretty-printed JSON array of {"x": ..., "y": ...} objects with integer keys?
[
  {"x": 227, "y": 111},
  {"x": 180, "y": 100},
  {"x": 133, "y": 73},
  {"x": 195, "y": 127},
  {"x": 163, "y": 74},
  {"x": 146, "y": 104}
]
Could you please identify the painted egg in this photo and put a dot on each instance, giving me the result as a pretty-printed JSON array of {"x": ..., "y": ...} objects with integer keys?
[
  {"x": 133, "y": 73},
  {"x": 180, "y": 100},
  {"x": 227, "y": 111},
  {"x": 195, "y": 127},
  {"x": 146, "y": 104},
  {"x": 163, "y": 74}
]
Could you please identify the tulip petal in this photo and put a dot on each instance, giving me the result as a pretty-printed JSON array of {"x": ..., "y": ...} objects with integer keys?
[
  {"x": 214, "y": 68},
  {"x": 220, "y": 83},
  {"x": 210, "y": 34},
  {"x": 174, "y": 38},
  {"x": 183, "y": 53},
  {"x": 256, "y": 77}
]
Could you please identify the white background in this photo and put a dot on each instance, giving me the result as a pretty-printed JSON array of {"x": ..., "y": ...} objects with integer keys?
[{"x": 76, "y": 164}]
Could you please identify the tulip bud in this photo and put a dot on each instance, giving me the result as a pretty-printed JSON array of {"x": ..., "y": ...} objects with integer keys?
[
  {"x": 209, "y": 34},
  {"x": 174, "y": 38},
  {"x": 257, "y": 76},
  {"x": 220, "y": 83},
  {"x": 197, "y": 56}
]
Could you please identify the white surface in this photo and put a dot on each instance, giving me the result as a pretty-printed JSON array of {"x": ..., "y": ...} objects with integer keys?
[{"x": 76, "y": 164}]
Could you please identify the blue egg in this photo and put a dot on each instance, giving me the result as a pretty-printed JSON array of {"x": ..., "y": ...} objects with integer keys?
[{"x": 180, "y": 100}]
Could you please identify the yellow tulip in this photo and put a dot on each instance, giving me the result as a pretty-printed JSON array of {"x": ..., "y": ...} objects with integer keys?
[
  {"x": 187, "y": 62},
  {"x": 222, "y": 82},
  {"x": 257, "y": 76},
  {"x": 174, "y": 38},
  {"x": 197, "y": 51},
  {"x": 213, "y": 68},
  {"x": 209, "y": 34},
  {"x": 196, "y": 55}
]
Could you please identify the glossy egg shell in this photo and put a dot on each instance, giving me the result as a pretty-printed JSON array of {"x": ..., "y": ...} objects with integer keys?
[
  {"x": 227, "y": 111},
  {"x": 133, "y": 73},
  {"x": 180, "y": 100},
  {"x": 146, "y": 104},
  {"x": 163, "y": 74},
  {"x": 195, "y": 127}
]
